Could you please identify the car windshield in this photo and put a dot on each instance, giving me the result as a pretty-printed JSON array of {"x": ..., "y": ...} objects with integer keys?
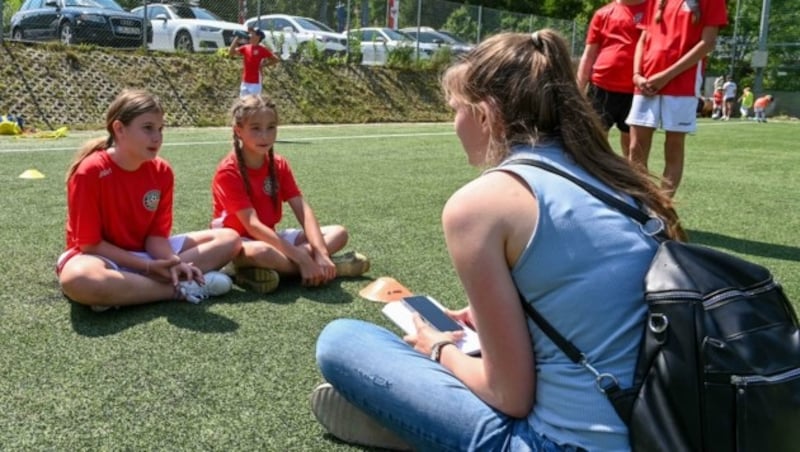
[
  {"x": 455, "y": 38},
  {"x": 192, "y": 12},
  {"x": 395, "y": 35},
  {"x": 426, "y": 36},
  {"x": 311, "y": 24},
  {"x": 105, "y": 4}
]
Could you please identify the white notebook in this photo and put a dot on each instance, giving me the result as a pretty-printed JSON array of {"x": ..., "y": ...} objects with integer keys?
[{"x": 402, "y": 316}]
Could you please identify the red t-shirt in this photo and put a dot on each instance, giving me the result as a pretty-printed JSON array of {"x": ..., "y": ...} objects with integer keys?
[
  {"x": 762, "y": 102},
  {"x": 253, "y": 55},
  {"x": 674, "y": 36},
  {"x": 230, "y": 195},
  {"x": 615, "y": 30},
  {"x": 106, "y": 202}
]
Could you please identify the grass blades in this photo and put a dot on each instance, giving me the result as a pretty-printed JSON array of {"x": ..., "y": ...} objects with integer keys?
[{"x": 235, "y": 373}]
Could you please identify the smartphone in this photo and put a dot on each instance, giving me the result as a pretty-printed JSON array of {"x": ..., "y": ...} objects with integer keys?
[{"x": 432, "y": 313}]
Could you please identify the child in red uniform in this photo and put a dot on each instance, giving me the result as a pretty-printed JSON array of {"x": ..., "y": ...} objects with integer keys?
[
  {"x": 119, "y": 217},
  {"x": 255, "y": 56},
  {"x": 760, "y": 107},
  {"x": 677, "y": 35},
  {"x": 607, "y": 62},
  {"x": 249, "y": 187}
]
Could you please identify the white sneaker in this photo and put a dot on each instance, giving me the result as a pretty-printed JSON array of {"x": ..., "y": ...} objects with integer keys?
[{"x": 217, "y": 283}]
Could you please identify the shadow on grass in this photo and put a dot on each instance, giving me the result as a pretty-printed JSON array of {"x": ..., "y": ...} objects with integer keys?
[
  {"x": 184, "y": 315},
  {"x": 745, "y": 246},
  {"x": 197, "y": 317}
]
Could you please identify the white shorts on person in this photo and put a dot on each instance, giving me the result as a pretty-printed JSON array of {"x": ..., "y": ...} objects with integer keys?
[
  {"x": 671, "y": 113},
  {"x": 175, "y": 242},
  {"x": 247, "y": 89}
]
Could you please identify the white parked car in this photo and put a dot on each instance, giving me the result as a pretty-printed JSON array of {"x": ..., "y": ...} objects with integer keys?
[
  {"x": 187, "y": 28},
  {"x": 438, "y": 37},
  {"x": 378, "y": 42},
  {"x": 287, "y": 35}
]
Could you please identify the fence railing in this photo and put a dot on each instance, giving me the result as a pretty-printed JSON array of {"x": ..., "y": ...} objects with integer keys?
[{"x": 736, "y": 50}]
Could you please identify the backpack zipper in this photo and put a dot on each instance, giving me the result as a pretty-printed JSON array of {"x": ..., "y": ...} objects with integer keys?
[
  {"x": 744, "y": 380},
  {"x": 717, "y": 299}
]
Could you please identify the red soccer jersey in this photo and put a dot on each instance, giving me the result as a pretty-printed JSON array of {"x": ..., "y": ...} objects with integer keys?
[
  {"x": 762, "y": 102},
  {"x": 230, "y": 195},
  {"x": 615, "y": 30},
  {"x": 253, "y": 55},
  {"x": 106, "y": 202},
  {"x": 674, "y": 36}
]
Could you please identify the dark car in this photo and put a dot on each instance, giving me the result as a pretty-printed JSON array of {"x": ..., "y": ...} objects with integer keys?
[{"x": 102, "y": 22}]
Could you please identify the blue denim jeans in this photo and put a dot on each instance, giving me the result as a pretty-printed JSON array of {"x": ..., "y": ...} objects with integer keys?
[{"x": 415, "y": 397}]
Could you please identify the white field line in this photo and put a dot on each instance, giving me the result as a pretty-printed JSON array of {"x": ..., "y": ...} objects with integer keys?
[
  {"x": 227, "y": 142},
  {"x": 33, "y": 148}
]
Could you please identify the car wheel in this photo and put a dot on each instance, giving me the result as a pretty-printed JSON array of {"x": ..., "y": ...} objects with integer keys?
[
  {"x": 17, "y": 35},
  {"x": 183, "y": 42},
  {"x": 65, "y": 34}
]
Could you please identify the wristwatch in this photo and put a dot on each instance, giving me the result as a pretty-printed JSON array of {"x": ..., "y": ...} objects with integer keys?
[{"x": 436, "y": 350}]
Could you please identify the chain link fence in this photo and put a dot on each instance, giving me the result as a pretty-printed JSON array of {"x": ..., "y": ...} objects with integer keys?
[{"x": 739, "y": 46}]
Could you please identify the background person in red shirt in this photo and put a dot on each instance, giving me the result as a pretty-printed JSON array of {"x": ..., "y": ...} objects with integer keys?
[
  {"x": 249, "y": 188},
  {"x": 256, "y": 56},
  {"x": 607, "y": 62},
  {"x": 760, "y": 107},
  {"x": 668, "y": 70},
  {"x": 119, "y": 217}
]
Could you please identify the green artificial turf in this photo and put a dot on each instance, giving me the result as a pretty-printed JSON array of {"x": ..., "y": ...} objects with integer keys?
[{"x": 235, "y": 372}]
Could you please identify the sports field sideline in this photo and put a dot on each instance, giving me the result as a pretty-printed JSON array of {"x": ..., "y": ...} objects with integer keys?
[{"x": 235, "y": 372}]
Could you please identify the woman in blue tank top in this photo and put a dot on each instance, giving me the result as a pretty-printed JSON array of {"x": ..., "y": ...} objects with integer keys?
[{"x": 514, "y": 230}]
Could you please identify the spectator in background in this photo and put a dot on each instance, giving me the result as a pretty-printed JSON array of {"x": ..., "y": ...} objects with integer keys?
[
  {"x": 668, "y": 68},
  {"x": 746, "y": 102},
  {"x": 256, "y": 56},
  {"x": 718, "y": 104},
  {"x": 607, "y": 62},
  {"x": 760, "y": 107},
  {"x": 729, "y": 97}
]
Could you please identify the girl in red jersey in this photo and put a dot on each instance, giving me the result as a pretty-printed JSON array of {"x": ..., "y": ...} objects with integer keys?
[
  {"x": 249, "y": 187},
  {"x": 667, "y": 70},
  {"x": 119, "y": 203}
]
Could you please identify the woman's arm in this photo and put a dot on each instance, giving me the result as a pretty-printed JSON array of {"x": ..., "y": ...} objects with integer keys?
[
  {"x": 706, "y": 44},
  {"x": 487, "y": 225},
  {"x": 588, "y": 59}
]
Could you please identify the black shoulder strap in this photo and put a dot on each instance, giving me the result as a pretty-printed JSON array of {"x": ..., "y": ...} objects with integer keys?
[{"x": 618, "y": 204}]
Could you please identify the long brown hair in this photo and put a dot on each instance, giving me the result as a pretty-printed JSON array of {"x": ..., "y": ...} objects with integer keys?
[
  {"x": 243, "y": 109},
  {"x": 127, "y": 106},
  {"x": 528, "y": 83}
]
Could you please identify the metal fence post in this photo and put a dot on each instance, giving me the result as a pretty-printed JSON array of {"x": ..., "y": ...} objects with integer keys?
[
  {"x": 735, "y": 37},
  {"x": 762, "y": 46},
  {"x": 480, "y": 20},
  {"x": 145, "y": 24},
  {"x": 2, "y": 25}
]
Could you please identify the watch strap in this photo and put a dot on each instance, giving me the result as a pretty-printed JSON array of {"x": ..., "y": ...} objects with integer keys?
[{"x": 436, "y": 349}]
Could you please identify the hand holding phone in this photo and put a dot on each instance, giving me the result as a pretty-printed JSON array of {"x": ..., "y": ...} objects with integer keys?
[{"x": 432, "y": 313}]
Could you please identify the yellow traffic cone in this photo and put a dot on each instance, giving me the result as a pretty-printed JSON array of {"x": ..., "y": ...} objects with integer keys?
[{"x": 31, "y": 174}]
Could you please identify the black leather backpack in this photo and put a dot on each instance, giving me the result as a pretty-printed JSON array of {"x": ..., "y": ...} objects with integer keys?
[{"x": 719, "y": 363}]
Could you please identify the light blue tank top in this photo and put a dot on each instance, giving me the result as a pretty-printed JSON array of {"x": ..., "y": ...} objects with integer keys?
[{"x": 583, "y": 270}]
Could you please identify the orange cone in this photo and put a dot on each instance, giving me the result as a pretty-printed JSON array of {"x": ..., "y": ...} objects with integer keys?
[{"x": 385, "y": 289}]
